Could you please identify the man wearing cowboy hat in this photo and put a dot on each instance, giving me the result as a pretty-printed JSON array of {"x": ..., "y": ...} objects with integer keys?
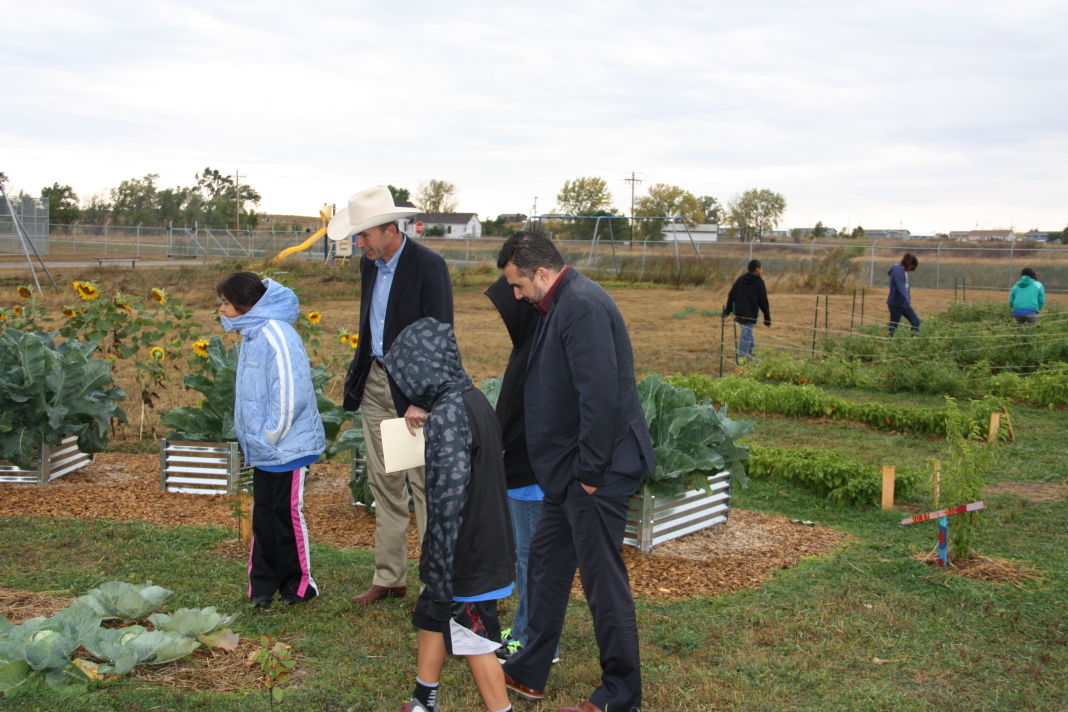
[{"x": 401, "y": 282}]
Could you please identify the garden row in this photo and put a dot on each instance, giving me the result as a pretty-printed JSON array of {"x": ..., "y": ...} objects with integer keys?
[
  {"x": 748, "y": 395},
  {"x": 968, "y": 351}
]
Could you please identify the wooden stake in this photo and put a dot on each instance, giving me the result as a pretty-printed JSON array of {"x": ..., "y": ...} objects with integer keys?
[
  {"x": 815, "y": 324},
  {"x": 995, "y": 423},
  {"x": 936, "y": 483},
  {"x": 888, "y": 486},
  {"x": 244, "y": 522}
]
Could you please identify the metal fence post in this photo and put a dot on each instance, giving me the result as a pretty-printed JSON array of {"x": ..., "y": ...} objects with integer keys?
[
  {"x": 163, "y": 464},
  {"x": 938, "y": 267}
]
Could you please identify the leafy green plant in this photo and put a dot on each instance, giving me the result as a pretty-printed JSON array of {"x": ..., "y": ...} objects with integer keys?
[
  {"x": 126, "y": 648},
  {"x": 692, "y": 439},
  {"x": 206, "y": 625},
  {"x": 275, "y": 658},
  {"x": 118, "y": 599},
  {"x": 809, "y": 401},
  {"x": 843, "y": 480},
  {"x": 972, "y": 452},
  {"x": 53, "y": 390},
  {"x": 213, "y": 419},
  {"x": 41, "y": 651}
]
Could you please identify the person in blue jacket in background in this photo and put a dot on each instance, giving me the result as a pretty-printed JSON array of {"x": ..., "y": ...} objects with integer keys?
[
  {"x": 279, "y": 429},
  {"x": 1027, "y": 298},
  {"x": 899, "y": 300}
]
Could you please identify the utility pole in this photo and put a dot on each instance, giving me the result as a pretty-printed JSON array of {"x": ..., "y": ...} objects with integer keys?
[
  {"x": 632, "y": 180},
  {"x": 237, "y": 195}
]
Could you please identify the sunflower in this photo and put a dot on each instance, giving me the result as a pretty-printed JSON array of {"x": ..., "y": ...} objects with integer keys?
[
  {"x": 200, "y": 348},
  {"x": 343, "y": 337},
  {"x": 3, "y": 316},
  {"x": 86, "y": 290},
  {"x": 354, "y": 340},
  {"x": 17, "y": 310},
  {"x": 69, "y": 312},
  {"x": 24, "y": 292},
  {"x": 159, "y": 295},
  {"x": 121, "y": 304},
  {"x": 157, "y": 353},
  {"x": 315, "y": 317}
]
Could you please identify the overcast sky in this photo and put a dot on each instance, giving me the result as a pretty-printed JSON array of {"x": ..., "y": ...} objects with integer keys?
[{"x": 931, "y": 116}]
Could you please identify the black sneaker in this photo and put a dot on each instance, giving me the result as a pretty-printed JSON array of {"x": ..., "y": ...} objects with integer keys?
[
  {"x": 262, "y": 601},
  {"x": 290, "y": 599},
  {"x": 508, "y": 648}
]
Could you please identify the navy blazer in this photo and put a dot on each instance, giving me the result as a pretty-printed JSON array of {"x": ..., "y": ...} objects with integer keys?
[
  {"x": 583, "y": 414},
  {"x": 421, "y": 287}
]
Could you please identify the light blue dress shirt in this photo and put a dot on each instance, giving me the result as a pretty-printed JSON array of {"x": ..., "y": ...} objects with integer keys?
[{"x": 380, "y": 299}]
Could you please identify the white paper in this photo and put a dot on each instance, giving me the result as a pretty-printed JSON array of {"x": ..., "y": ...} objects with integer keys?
[{"x": 400, "y": 449}]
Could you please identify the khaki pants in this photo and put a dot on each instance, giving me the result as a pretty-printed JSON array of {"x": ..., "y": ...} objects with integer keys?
[{"x": 390, "y": 490}]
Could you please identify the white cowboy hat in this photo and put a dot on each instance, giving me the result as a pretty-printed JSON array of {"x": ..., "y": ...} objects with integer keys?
[{"x": 368, "y": 208}]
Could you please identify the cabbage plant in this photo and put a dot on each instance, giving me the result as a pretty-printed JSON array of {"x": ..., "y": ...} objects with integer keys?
[
  {"x": 126, "y": 648},
  {"x": 691, "y": 439},
  {"x": 118, "y": 599},
  {"x": 53, "y": 390},
  {"x": 203, "y": 624}
]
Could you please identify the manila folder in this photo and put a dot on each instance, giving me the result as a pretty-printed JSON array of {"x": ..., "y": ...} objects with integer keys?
[{"x": 400, "y": 449}]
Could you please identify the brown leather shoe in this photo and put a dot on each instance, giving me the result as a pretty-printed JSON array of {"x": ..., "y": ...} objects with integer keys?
[
  {"x": 586, "y": 706},
  {"x": 527, "y": 693},
  {"x": 377, "y": 593}
]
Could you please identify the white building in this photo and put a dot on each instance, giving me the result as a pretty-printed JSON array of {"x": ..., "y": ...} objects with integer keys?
[{"x": 684, "y": 233}]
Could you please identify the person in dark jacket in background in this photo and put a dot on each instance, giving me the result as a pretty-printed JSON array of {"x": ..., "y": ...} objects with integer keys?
[
  {"x": 748, "y": 297},
  {"x": 1027, "y": 297},
  {"x": 899, "y": 301},
  {"x": 524, "y": 494},
  {"x": 590, "y": 449},
  {"x": 467, "y": 561}
]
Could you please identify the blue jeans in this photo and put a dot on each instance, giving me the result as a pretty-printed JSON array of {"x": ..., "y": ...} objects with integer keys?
[
  {"x": 895, "y": 316},
  {"x": 745, "y": 339},
  {"x": 525, "y": 516}
]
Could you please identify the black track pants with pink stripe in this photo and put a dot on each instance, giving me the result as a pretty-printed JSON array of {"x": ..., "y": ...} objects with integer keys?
[{"x": 280, "y": 559}]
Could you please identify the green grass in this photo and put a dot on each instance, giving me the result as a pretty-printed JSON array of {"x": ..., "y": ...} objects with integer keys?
[
  {"x": 864, "y": 628},
  {"x": 808, "y": 639}
]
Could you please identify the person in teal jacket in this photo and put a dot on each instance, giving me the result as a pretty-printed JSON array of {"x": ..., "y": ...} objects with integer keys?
[{"x": 1027, "y": 298}]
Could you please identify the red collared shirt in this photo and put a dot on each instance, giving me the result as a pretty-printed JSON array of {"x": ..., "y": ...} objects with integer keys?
[{"x": 547, "y": 300}]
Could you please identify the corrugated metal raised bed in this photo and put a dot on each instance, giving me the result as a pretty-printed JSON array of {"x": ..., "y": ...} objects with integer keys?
[
  {"x": 199, "y": 467},
  {"x": 54, "y": 461},
  {"x": 652, "y": 519}
]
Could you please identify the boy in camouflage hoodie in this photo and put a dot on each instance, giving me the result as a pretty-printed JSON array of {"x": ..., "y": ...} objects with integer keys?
[{"x": 467, "y": 561}]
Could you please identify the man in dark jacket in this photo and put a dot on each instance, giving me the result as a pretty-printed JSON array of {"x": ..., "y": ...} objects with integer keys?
[
  {"x": 589, "y": 445},
  {"x": 467, "y": 561},
  {"x": 400, "y": 281},
  {"x": 747, "y": 297},
  {"x": 524, "y": 494}
]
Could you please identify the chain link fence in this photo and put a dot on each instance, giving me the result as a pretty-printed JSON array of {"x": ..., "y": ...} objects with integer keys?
[
  {"x": 943, "y": 265},
  {"x": 32, "y": 214}
]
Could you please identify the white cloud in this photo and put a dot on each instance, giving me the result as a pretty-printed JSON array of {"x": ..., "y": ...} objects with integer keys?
[{"x": 929, "y": 115}]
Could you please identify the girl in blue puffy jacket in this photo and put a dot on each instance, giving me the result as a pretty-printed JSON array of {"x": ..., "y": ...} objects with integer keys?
[{"x": 279, "y": 429}]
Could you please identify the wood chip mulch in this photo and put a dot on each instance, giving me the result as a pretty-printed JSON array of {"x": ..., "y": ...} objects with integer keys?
[{"x": 738, "y": 554}]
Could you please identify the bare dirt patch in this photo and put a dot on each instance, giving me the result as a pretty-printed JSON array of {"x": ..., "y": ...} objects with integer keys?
[
  {"x": 738, "y": 554},
  {"x": 1034, "y": 491}
]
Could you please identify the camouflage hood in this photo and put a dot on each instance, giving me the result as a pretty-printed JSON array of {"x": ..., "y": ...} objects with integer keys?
[{"x": 424, "y": 362}]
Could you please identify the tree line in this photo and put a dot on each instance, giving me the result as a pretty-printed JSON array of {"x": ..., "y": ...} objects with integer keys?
[
  {"x": 215, "y": 200},
  {"x": 752, "y": 214}
]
